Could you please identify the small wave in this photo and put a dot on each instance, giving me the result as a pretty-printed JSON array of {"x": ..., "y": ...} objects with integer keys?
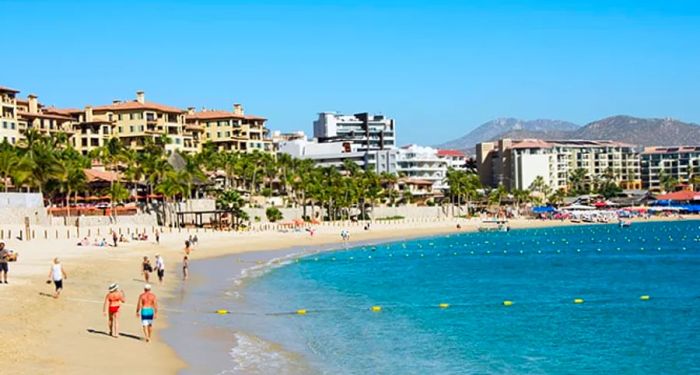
[
  {"x": 253, "y": 355},
  {"x": 263, "y": 268}
]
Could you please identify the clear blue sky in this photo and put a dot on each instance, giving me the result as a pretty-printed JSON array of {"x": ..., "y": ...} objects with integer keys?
[{"x": 439, "y": 67}]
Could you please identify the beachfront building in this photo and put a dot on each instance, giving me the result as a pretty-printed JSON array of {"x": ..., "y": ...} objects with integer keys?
[
  {"x": 515, "y": 164},
  {"x": 455, "y": 159},
  {"x": 367, "y": 132},
  {"x": 89, "y": 133},
  {"x": 681, "y": 163},
  {"x": 9, "y": 132},
  {"x": 231, "y": 130},
  {"x": 32, "y": 115},
  {"x": 423, "y": 163},
  {"x": 137, "y": 120},
  {"x": 335, "y": 153}
]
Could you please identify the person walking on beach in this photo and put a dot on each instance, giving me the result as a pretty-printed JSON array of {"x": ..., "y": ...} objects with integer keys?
[
  {"x": 147, "y": 310},
  {"x": 160, "y": 268},
  {"x": 195, "y": 240},
  {"x": 157, "y": 237},
  {"x": 146, "y": 268},
  {"x": 4, "y": 258},
  {"x": 185, "y": 267},
  {"x": 188, "y": 248},
  {"x": 115, "y": 239},
  {"x": 57, "y": 274},
  {"x": 113, "y": 301}
]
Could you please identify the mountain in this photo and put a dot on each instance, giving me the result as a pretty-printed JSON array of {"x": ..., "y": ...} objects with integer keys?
[
  {"x": 627, "y": 129},
  {"x": 641, "y": 131},
  {"x": 495, "y": 128}
]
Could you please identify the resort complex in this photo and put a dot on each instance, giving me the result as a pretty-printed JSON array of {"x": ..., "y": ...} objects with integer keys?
[{"x": 138, "y": 156}]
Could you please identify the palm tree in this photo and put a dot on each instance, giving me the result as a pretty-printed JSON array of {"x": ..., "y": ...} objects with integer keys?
[
  {"x": 496, "y": 195},
  {"x": 9, "y": 161},
  {"x": 111, "y": 154},
  {"x": 172, "y": 186},
  {"x": 231, "y": 200},
  {"x": 577, "y": 177},
  {"x": 521, "y": 196},
  {"x": 666, "y": 181}
]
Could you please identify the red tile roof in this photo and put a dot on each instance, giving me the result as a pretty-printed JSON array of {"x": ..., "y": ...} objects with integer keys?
[
  {"x": 212, "y": 115},
  {"x": 531, "y": 143},
  {"x": 7, "y": 89},
  {"x": 93, "y": 175},
  {"x": 62, "y": 111},
  {"x": 670, "y": 150},
  {"x": 455, "y": 153},
  {"x": 684, "y": 195},
  {"x": 45, "y": 115},
  {"x": 134, "y": 105}
]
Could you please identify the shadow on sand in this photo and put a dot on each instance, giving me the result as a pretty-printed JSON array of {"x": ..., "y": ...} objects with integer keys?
[{"x": 127, "y": 335}]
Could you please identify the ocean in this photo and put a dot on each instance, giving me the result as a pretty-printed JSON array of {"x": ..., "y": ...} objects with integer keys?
[{"x": 469, "y": 303}]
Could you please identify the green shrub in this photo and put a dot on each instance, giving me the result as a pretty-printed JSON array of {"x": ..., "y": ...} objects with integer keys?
[{"x": 273, "y": 214}]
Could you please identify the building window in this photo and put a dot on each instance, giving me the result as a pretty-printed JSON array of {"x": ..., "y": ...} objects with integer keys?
[{"x": 131, "y": 129}]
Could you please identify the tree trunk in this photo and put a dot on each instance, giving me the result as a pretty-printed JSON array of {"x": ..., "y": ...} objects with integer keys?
[{"x": 68, "y": 203}]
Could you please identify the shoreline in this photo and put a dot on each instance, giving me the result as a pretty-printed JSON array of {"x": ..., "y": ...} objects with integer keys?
[{"x": 38, "y": 328}]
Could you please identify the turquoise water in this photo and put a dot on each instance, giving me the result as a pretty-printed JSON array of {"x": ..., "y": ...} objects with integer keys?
[{"x": 541, "y": 271}]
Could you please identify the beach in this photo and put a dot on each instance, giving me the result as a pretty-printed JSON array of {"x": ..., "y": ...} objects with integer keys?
[{"x": 68, "y": 335}]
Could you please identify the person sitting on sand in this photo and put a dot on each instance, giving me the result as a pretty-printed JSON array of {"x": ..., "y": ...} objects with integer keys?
[
  {"x": 146, "y": 268},
  {"x": 113, "y": 301},
  {"x": 147, "y": 310},
  {"x": 57, "y": 274}
]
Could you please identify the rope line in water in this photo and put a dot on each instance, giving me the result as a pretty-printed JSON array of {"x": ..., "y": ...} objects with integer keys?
[{"x": 443, "y": 306}]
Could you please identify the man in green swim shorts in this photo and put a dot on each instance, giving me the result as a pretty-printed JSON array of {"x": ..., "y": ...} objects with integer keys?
[{"x": 147, "y": 310}]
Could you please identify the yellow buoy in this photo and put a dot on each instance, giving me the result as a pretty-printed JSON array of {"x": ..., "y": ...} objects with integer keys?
[
  {"x": 507, "y": 303},
  {"x": 444, "y": 305},
  {"x": 301, "y": 312},
  {"x": 376, "y": 308},
  {"x": 645, "y": 298},
  {"x": 578, "y": 300},
  {"x": 222, "y": 312}
]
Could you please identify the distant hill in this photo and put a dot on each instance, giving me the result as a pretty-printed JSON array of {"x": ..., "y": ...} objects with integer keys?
[
  {"x": 627, "y": 129},
  {"x": 495, "y": 128},
  {"x": 641, "y": 131}
]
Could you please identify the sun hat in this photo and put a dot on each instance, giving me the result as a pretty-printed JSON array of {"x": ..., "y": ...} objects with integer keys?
[
  {"x": 147, "y": 287},
  {"x": 113, "y": 287}
]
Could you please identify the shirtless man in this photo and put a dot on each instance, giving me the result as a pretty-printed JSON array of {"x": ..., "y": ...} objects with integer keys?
[
  {"x": 113, "y": 300},
  {"x": 147, "y": 310}
]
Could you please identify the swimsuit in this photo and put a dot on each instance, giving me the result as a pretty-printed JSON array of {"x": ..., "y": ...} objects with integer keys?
[
  {"x": 147, "y": 316},
  {"x": 114, "y": 309}
]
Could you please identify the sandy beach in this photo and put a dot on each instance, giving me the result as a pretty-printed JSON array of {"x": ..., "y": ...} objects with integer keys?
[{"x": 69, "y": 335}]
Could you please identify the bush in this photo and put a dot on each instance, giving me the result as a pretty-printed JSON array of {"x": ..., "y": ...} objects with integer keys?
[
  {"x": 390, "y": 218},
  {"x": 273, "y": 214}
]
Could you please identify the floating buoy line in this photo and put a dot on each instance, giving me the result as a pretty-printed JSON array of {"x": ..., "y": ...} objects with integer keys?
[{"x": 439, "y": 306}]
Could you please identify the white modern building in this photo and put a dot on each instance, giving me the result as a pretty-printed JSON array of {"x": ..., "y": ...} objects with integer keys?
[
  {"x": 423, "y": 163},
  {"x": 367, "y": 132},
  {"x": 682, "y": 163},
  {"x": 455, "y": 159},
  {"x": 335, "y": 153},
  {"x": 515, "y": 164}
]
